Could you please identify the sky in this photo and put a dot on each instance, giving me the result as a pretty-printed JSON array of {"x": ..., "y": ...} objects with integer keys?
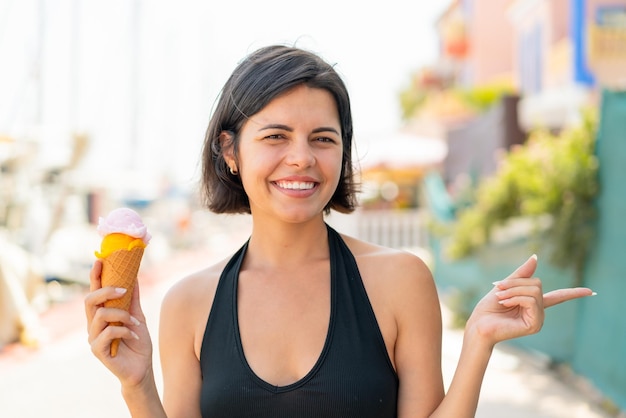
[
  {"x": 374, "y": 48},
  {"x": 140, "y": 77}
]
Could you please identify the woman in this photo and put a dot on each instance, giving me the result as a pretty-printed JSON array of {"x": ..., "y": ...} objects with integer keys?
[{"x": 302, "y": 321}]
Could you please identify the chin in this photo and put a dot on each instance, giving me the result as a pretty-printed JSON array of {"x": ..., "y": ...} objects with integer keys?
[{"x": 296, "y": 217}]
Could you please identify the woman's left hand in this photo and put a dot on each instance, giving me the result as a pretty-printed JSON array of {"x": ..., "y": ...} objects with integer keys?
[{"x": 515, "y": 306}]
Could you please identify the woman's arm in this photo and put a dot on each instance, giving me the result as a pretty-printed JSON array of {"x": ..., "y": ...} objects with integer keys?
[
  {"x": 413, "y": 299},
  {"x": 184, "y": 313},
  {"x": 180, "y": 324},
  {"x": 143, "y": 399},
  {"x": 514, "y": 308}
]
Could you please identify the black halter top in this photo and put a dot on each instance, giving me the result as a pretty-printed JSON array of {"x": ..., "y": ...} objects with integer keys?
[{"x": 352, "y": 378}]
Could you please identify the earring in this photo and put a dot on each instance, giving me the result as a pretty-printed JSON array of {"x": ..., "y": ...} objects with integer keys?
[{"x": 234, "y": 172}]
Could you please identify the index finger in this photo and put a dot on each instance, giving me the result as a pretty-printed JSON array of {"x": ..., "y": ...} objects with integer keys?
[
  {"x": 563, "y": 295},
  {"x": 94, "y": 275}
]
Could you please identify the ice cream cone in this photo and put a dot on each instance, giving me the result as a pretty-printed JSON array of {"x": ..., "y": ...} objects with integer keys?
[
  {"x": 124, "y": 237},
  {"x": 119, "y": 269}
]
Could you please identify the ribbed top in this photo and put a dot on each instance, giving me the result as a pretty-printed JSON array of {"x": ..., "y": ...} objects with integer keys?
[{"x": 352, "y": 378}]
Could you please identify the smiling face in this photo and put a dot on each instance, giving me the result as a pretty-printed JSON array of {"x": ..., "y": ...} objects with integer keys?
[{"x": 290, "y": 155}]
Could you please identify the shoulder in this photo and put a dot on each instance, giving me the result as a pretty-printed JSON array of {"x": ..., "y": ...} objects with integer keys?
[
  {"x": 405, "y": 300},
  {"x": 396, "y": 281},
  {"x": 196, "y": 286},
  {"x": 388, "y": 264},
  {"x": 184, "y": 313},
  {"x": 186, "y": 305}
]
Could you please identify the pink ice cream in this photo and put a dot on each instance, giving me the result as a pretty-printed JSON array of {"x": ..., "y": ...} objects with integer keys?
[
  {"x": 124, "y": 221},
  {"x": 122, "y": 229}
]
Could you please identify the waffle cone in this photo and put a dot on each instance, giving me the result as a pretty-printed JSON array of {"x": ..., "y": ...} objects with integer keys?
[{"x": 119, "y": 269}]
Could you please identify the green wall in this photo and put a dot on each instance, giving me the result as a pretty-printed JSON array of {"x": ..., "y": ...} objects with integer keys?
[
  {"x": 601, "y": 333},
  {"x": 465, "y": 281}
]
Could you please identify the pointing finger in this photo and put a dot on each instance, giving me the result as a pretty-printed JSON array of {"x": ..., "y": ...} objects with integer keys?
[{"x": 563, "y": 295}]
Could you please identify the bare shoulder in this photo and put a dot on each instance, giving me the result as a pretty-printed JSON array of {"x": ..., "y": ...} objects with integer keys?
[
  {"x": 389, "y": 265},
  {"x": 403, "y": 295},
  {"x": 196, "y": 286},
  {"x": 186, "y": 305},
  {"x": 399, "y": 284}
]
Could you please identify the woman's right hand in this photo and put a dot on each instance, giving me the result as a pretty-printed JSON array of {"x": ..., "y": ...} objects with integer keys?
[{"x": 133, "y": 362}]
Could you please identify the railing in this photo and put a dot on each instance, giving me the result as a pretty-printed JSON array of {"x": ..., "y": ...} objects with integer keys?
[
  {"x": 607, "y": 54},
  {"x": 404, "y": 229}
]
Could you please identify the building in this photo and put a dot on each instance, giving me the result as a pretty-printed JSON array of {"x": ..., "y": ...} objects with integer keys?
[
  {"x": 565, "y": 50},
  {"x": 476, "y": 41}
]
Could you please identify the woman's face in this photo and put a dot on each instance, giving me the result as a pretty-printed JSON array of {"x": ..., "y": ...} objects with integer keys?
[{"x": 290, "y": 155}]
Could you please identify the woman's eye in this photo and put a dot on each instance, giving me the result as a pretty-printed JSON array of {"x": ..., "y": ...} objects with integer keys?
[
  {"x": 274, "y": 136},
  {"x": 325, "y": 139}
]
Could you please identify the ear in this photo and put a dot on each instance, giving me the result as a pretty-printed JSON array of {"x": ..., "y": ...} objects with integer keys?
[{"x": 227, "y": 145}]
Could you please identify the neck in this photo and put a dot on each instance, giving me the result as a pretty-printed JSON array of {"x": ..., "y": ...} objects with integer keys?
[{"x": 279, "y": 244}]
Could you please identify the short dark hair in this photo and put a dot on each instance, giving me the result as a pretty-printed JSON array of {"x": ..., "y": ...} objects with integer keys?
[{"x": 258, "y": 79}]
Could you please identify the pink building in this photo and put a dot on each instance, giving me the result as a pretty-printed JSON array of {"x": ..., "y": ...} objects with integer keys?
[
  {"x": 565, "y": 50},
  {"x": 556, "y": 53},
  {"x": 476, "y": 40}
]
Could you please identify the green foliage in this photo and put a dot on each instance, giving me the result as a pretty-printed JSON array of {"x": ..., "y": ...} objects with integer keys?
[
  {"x": 411, "y": 99},
  {"x": 483, "y": 97},
  {"x": 553, "y": 175},
  {"x": 480, "y": 98},
  {"x": 461, "y": 304}
]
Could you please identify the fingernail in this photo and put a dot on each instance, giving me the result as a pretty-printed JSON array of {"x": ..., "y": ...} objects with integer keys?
[
  {"x": 594, "y": 294},
  {"x": 135, "y": 336},
  {"x": 120, "y": 290},
  {"x": 534, "y": 256},
  {"x": 134, "y": 320},
  {"x": 496, "y": 283}
]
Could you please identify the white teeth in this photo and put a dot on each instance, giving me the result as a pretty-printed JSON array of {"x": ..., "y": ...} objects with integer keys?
[{"x": 296, "y": 185}]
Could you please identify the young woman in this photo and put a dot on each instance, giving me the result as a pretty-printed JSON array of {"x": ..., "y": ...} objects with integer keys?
[{"x": 302, "y": 321}]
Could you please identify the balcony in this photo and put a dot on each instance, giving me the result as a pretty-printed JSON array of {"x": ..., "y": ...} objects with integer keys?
[{"x": 606, "y": 53}]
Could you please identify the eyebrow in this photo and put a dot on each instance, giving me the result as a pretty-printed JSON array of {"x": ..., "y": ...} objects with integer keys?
[{"x": 290, "y": 129}]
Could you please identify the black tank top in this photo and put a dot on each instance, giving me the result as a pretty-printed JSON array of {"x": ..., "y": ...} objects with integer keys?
[{"x": 352, "y": 378}]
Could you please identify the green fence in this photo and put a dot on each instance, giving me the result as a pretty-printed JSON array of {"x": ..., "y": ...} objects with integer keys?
[
  {"x": 600, "y": 351},
  {"x": 465, "y": 281}
]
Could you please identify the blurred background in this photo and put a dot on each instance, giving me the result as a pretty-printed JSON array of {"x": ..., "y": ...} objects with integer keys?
[{"x": 485, "y": 130}]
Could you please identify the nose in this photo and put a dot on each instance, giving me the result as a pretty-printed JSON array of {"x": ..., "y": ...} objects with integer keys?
[{"x": 300, "y": 153}]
